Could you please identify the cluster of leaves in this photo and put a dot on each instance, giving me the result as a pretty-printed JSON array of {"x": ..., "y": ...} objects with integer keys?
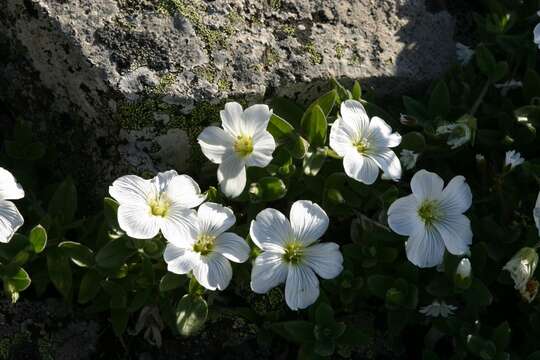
[{"x": 89, "y": 260}]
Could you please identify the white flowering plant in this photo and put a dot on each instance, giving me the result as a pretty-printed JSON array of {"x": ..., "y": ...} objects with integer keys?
[{"x": 334, "y": 229}]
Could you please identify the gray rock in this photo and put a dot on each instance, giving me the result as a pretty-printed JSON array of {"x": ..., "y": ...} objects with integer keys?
[{"x": 126, "y": 72}]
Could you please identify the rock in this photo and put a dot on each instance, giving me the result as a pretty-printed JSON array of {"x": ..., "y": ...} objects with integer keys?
[{"x": 120, "y": 75}]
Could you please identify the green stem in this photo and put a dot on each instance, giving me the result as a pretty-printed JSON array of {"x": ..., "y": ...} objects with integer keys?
[{"x": 480, "y": 98}]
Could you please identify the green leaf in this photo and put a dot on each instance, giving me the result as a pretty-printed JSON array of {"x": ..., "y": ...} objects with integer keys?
[
  {"x": 63, "y": 204},
  {"x": 531, "y": 84},
  {"x": 501, "y": 69},
  {"x": 15, "y": 278},
  {"x": 501, "y": 336},
  {"x": 485, "y": 60},
  {"x": 171, "y": 281},
  {"x": 89, "y": 288},
  {"x": 439, "y": 101},
  {"x": 324, "y": 315},
  {"x": 113, "y": 254},
  {"x": 287, "y": 109},
  {"x": 191, "y": 314},
  {"x": 415, "y": 109},
  {"x": 110, "y": 210},
  {"x": 397, "y": 320},
  {"x": 38, "y": 238},
  {"x": 478, "y": 294},
  {"x": 117, "y": 294},
  {"x": 484, "y": 349},
  {"x": 60, "y": 271},
  {"x": 119, "y": 320},
  {"x": 284, "y": 134},
  {"x": 379, "y": 285},
  {"x": 534, "y": 356},
  {"x": 325, "y": 348},
  {"x": 353, "y": 336},
  {"x": 326, "y": 102},
  {"x": 296, "y": 331},
  {"x": 343, "y": 93},
  {"x": 272, "y": 188},
  {"x": 80, "y": 255},
  {"x": 314, "y": 126},
  {"x": 357, "y": 91},
  {"x": 313, "y": 161}
]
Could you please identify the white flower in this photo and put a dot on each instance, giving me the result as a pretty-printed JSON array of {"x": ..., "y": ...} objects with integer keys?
[
  {"x": 460, "y": 134},
  {"x": 408, "y": 158},
  {"x": 364, "y": 144},
  {"x": 437, "y": 309},
  {"x": 512, "y": 158},
  {"x": 464, "y": 53},
  {"x": 464, "y": 268},
  {"x": 148, "y": 206},
  {"x": 206, "y": 248},
  {"x": 522, "y": 266},
  {"x": 433, "y": 218},
  {"x": 536, "y": 213},
  {"x": 243, "y": 142},
  {"x": 480, "y": 157},
  {"x": 292, "y": 254},
  {"x": 10, "y": 218}
]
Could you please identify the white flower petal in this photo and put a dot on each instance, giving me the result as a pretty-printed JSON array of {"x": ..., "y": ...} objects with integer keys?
[
  {"x": 216, "y": 144},
  {"x": 162, "y": 180},
  {"x": 9, "y": 188},
  {"x": 355, "y": 116},
  {"x": 255, "y": 119},
  {"x": 232, "y": 176},
  {"x": 425, "y": 248},
  {"x": 183, "y": 191},
  {"x": 325, "y": 259},
  {"x": 456, "y": 196},
  {"x": 10, "y": 220},
  {"x": 179, "y": 260},
  {"x": 456, "y": 233},
  {"x": 263, "y": 148},
  {"x": 388, "y": 161},
  {"x": 179, "y": 226},
  {"x": 301, "y": 288},
  {"x": 402, "y": 216},
  {"x": 342, "y": 137},
  {"x": 360, "y": 168},
  {"x": 270, "y": 230},
  {"x": 308, "y": 221},
  {"x": 425, "y": 184},
  {"x": 231, "y": 118},
  {"x": 137, "y": 221},
  {"x": 380, "y": 134},
  {"x": 213, "y": 271},
  {"x": 131, "y": 189},
  {"x": 214, "y": 219},
  {"x": 536, "y": 33},
  {"x": 268, "y": 271},
  {"x": 233, "y": 247}
]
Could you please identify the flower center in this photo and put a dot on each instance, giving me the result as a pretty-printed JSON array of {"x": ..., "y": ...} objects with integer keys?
[
  {"x": 362, "y": 146},
  {"x": 293, "y": 252},
  {"x": 429, "y": 211},
  {"x": 159, "y": 206},
  {"x": 243, "y": 145},
  {"x": 204, "y": 244}
]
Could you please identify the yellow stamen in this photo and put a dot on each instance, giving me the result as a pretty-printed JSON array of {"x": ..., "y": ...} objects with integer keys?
[
  {"x": 429, "y": 211},
  {"x": 294, "y": 252},
  {"x": 243, "y": 145},
  {"x": 204, "y": 244}
]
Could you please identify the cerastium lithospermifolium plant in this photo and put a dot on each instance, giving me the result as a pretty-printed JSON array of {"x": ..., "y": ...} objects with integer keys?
[{"x": 335, "y": 229}]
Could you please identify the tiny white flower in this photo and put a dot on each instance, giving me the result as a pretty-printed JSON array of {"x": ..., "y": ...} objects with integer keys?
[
  {"x": 292, "y": 253},
  {"x": 464, "y": 53},
  {"x": 459, "y": 134},
  {"x": 432, "y": 217},
  {"x": 480, "y": 158},
  {"x": 464, "y": 268},
  {"x": 536, "y": 213},
  {"x": 438, "y": 309},
  {"x": 206, "y": 248},
  {"x": 512, "y": 158},
  {"x": 364, "y": 145},
  {"x": 243, "y": 142},
  {"x": 408, "y": 158},
  {"x": 522, "y": 266},
  {"x": 148, "y": 206},
  {"x": 10, "y": 218}
]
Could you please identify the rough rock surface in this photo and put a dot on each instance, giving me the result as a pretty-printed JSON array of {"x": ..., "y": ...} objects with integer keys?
[{"x": 132, "y": 81}]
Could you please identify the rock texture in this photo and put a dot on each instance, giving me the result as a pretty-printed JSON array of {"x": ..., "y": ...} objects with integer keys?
[{"x": 133, "y": 81}]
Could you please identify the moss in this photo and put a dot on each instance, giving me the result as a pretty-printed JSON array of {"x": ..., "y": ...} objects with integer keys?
[
  {"x": 270, "y": 56},
  {"x": 164, "y": 84},
  {"x": 208, "y": 72},
  {"x": 274, "y": 4},
  {"x": 224, "y": 84},
  {"x": 136, "y": 115},
  {"x": 340, "y": 50},
  {"x": 314, "y": 55},
  {"x": 288, "y": 30}
]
